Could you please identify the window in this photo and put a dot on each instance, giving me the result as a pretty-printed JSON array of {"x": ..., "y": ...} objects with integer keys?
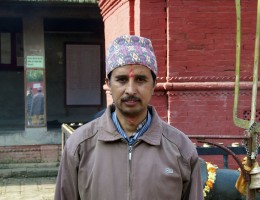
[
  {"x": 11, "y": 44},
  {"x": 11, "y": 51},
  {"x": 83, "y": 74},
  {"x": 5, "y": 48}
]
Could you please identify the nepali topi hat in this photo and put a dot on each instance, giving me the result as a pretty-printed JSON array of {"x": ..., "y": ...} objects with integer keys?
[{"x": 131, "y": 50}]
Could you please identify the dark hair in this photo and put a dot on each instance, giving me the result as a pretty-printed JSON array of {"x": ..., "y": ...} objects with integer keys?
[{"x": 153, "y": 75}]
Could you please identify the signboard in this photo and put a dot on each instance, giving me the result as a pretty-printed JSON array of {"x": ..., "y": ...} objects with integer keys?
[{"x": 34, "y": 62}]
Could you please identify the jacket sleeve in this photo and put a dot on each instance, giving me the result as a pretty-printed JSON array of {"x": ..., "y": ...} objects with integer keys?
[
  {"x": 193, "y": 189},
  {"x": 67, "y": 179}
]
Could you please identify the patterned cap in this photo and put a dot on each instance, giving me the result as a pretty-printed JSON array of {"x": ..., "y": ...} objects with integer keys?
[{"x": 130, "y": 50}]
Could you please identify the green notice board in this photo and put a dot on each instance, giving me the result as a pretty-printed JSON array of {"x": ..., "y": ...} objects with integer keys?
[{"x": 34, "y": 62}]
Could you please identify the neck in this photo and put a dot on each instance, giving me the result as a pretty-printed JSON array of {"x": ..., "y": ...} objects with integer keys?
[{"x": 130, "y": 124}]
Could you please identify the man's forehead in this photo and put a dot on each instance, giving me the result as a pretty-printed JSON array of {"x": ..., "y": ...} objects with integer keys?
[{"x": 132, "y": 69}]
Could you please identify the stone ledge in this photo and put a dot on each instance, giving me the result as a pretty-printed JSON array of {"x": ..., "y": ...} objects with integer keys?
[
  {"x": 28, "y": 165},
  {"x": 30, "y": 170}
]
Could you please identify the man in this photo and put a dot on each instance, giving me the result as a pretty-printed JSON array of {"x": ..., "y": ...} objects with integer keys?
[
  {"x": 129, "y": 153},
  {"x": 37, "y": 109},
  {"x": 29, "y": 98}
]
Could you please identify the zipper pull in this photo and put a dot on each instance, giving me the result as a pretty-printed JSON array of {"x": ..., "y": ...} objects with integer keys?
[{"x": 130, "y": 149}]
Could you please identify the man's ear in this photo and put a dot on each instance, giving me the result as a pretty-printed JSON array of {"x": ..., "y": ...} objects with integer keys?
[
  {"x": 155, "y": 82},
  {"x": 108, "y": 85},
  {"x": 107, "y": 82}
]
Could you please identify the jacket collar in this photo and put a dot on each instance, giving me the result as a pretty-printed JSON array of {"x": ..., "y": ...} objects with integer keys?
[{"x": 108, "y": 132}]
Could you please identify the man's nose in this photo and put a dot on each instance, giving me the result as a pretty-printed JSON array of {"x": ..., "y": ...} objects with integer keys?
[{"x": 130, "y": 87}]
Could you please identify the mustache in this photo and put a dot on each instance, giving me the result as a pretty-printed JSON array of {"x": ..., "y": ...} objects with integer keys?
[{"x": 131, "y": 98}]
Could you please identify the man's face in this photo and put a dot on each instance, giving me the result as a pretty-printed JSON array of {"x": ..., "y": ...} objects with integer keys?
[{"x": 131, "y": 87}]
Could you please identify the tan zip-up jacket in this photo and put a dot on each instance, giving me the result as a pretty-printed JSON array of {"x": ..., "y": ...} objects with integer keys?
[{"x": 97, "y": 164}]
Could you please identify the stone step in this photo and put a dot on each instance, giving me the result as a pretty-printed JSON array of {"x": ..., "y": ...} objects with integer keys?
[{"x": 30, "y": 170}]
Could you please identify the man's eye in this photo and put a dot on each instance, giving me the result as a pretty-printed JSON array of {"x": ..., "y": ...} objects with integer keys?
[
  {"x": 141, "y": 79},
  {"x": 122, "y": 80}
]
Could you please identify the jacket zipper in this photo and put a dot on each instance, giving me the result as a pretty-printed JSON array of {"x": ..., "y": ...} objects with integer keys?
[
  {"x": 130, "y": 154},
  {"x": 130, "y": 150}
]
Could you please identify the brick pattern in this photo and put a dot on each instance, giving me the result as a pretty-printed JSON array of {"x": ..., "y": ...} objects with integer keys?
[
  {"x": 202, "y": 38},
  {"x": 30, "y": 154},
  {"x": 159, "y": 100}
]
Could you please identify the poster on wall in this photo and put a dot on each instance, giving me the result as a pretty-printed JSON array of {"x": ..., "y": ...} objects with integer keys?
[
  {"x": 35, "y": 99},
  {"x": 83, "y": 74}
]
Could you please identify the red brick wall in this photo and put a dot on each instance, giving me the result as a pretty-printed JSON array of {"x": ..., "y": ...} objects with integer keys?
[
  {"x": 159, "y": 100},
  {"x": 202, "y": 37},
  {"x": 202, "y": 49},
  {"x": 30, "y": 154},
  {"x": 204, "y": 112}
]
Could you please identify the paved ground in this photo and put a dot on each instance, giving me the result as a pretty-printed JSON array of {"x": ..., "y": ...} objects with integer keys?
[{"x": 40, "y": 188}]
